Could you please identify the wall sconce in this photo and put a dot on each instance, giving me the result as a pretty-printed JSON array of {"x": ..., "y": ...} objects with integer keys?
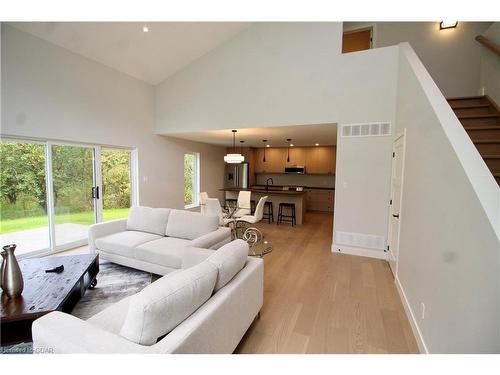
[{"x": 448, "y": 25}]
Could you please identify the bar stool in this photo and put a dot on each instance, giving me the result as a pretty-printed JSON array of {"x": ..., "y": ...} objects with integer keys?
[
  {"x": 268, "y": 212},
  {"x": 284, "y": 218}
]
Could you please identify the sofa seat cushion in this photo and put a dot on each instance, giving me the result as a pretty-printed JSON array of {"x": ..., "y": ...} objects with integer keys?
[
  {"x": 229, "y": 260},
  {"x": 161, "y": 306},
  {"x": 124, "y": 243},
  {"x": 190, "y": 225},
  {"x": 171, "y": 252},
  {"x": 147, "y": 219}
]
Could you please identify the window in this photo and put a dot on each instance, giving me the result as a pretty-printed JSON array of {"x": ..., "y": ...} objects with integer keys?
[
  {"x": 191, "y": 179},
  {"x": 24, "y": 219},
  {"x": 51, "y": 192},
  {"x": 116, "y": 183}
]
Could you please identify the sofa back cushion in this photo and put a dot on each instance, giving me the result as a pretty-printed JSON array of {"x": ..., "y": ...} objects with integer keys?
[
  {"x": 229, "y": 260},
  {"x": 147, "y": 219},
  {"x": 190, "y": 225},
  {"x": 161, "y": 306}
]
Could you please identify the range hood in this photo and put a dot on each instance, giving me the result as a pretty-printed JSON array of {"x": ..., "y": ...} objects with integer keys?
[{"x": 298, "y": 169}]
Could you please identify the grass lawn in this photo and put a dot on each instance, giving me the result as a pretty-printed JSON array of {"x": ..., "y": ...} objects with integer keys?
[{"x": 85, "y": 218}]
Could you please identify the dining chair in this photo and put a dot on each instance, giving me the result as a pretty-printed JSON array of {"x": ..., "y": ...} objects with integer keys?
[
  {"x": 214, "y": 209},
  {"x": 251, "y": 219},
  {"x": 244, "y": 205},
  {"x": 203, "y": 201}
]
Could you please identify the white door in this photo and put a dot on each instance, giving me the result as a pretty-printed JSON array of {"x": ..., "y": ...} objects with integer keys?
[{"x": 398, "y": 149}]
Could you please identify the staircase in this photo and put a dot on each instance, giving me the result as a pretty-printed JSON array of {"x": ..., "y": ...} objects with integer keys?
[{"x": 480, "y": 117}]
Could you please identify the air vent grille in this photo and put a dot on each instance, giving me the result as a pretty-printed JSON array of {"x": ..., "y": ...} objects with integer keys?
[
  {"x": 360, "y": 240},
  {"x": 373, "y": 129}
]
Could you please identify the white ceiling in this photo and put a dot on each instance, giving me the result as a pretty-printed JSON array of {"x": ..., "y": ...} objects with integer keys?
[
  {"x": 150, "y": 57},
  {"x": 301, "y": 135}
]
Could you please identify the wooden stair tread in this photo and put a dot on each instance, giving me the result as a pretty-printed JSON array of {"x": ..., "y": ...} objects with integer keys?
[
  {"x": 485, "y": 115},
  {"x": 486, "y": 141},
  {"x": 471, "y": 106},
  {"x": 465, "y": 97},
  {"x": 482, "y": 127},
  {"x": 491, "y": 156}
]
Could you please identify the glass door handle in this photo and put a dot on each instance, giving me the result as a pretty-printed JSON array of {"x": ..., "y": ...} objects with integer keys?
[{"x": 95, "y": 192}]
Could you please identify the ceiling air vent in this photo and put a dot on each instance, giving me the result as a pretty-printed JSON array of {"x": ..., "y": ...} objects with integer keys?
[{"x": 372, "y": 129}]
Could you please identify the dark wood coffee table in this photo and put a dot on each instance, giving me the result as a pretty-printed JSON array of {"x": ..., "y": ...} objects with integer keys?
[{"x": 46, "y": 292}]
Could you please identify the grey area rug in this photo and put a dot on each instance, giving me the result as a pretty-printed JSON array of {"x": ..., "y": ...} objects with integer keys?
[{"x": 114, "y": 282}]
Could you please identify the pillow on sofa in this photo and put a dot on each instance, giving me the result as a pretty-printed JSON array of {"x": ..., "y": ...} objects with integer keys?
[
  {"x": 147, "y": 219},
  {"x": 229, "y": 260},
  {"x": 161, "y": 306},
  {"x": 190, "y": 225}
]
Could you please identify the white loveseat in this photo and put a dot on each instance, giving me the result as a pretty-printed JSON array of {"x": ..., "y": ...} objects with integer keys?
[
  {"x": 158, "y": 240},
  {"x": 206, "y": 308}
]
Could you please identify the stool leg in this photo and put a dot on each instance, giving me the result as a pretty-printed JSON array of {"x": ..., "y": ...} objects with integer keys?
[{"x": 272, "y": 214}]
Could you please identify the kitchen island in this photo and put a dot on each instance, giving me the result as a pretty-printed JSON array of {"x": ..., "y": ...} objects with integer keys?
[{"x": 276, "y": 196}]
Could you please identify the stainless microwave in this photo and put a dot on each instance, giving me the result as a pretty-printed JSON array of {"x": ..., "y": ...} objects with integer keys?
[{"x": 295, "y": 170}]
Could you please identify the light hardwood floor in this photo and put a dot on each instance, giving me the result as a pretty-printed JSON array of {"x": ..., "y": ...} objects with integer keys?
[{"x": 316, "y": 301}]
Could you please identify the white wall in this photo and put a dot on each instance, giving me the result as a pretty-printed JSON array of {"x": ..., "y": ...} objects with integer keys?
[
  {"x": 49, "y": 92},
  {"x": 451, "y": 56},
  {"x": 276, "y": 74},
  {"x": 449, "y": 253},
  {"x": 362, "y": 189},
  {"x": 490, "y": 65},
  {"x": 294, "y": 74}
]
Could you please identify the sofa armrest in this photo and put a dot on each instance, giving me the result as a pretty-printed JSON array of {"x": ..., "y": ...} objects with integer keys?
[
  {"x": 213, "y": 240},
  {"x": 105, "y": 229},
  {"x": 58, "y": 332}
]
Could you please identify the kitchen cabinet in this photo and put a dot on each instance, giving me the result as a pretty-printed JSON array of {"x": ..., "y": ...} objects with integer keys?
[
  {"x": 317, "y": 160},
  {"x": 275, "y": 160},
  {"x": 297, "y": 156},
  {"x": 320, "y": 160},
  {"x": 320, "y": 200}
]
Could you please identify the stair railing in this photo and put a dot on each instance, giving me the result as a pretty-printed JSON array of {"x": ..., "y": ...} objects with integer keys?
[{"x": 491, "y": 45}]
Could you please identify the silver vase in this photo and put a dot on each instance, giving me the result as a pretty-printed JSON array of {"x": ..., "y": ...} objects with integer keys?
[
  {"x": 4, "y": 255},
  {"x": 12, "y": 278}
]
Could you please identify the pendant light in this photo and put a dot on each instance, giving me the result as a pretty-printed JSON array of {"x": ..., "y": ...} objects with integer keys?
[
  {"x": 234, "y": 158},
  {"x": 264, "y": 158},
  {"x": 288, "y": 150}
]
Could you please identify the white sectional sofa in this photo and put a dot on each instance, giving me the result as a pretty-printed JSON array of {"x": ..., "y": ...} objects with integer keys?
[
  {"x": 158, "y": 240},
  {"x": 206, "y": 308}
]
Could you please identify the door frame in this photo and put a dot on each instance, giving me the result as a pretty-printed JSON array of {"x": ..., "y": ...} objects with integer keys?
[{"x": 390, "y": 227}]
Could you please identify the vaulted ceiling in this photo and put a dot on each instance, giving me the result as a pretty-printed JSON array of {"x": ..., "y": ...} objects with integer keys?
[{"x": 149, "y": 56}]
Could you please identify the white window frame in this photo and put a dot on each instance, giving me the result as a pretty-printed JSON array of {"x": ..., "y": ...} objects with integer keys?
[{"x": 195, "y": 178}]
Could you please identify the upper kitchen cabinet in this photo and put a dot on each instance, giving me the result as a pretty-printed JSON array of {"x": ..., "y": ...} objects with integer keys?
[
  {"x": 317, "y": 160},
  {"x": 297, "y": 156},
  {"x": 275, "y": 160},
  {"x": 320, "y": 160}
]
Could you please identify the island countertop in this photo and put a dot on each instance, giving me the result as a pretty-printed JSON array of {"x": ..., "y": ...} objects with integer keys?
[{"x": 268, "y": 192}]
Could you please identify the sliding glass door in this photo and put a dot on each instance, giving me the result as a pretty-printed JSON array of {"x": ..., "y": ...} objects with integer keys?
[
  {"x": 51, "y": 192},
  {"x": 24, "y": 219},
  {"x": 75, "y": 193},
  {"x": 116, "y": 183}
]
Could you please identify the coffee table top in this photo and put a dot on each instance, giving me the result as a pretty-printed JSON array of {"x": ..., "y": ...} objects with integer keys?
[{"x": 45, "y": 292}]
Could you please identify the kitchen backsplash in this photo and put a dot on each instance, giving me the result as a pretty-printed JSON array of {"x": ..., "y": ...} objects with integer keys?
[{"x": 298, "y": 180}]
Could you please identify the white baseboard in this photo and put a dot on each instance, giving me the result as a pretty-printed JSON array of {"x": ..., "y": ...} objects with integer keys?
[
  {"x": 359, "y": 251},
  {"x": 411, "y": 317}
]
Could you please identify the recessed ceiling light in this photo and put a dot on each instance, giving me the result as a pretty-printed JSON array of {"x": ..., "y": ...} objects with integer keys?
[
  {"x": 448, "y": 25},
  {"x": 316, "y": 144},
  {"x": 145, "y": 29}
]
